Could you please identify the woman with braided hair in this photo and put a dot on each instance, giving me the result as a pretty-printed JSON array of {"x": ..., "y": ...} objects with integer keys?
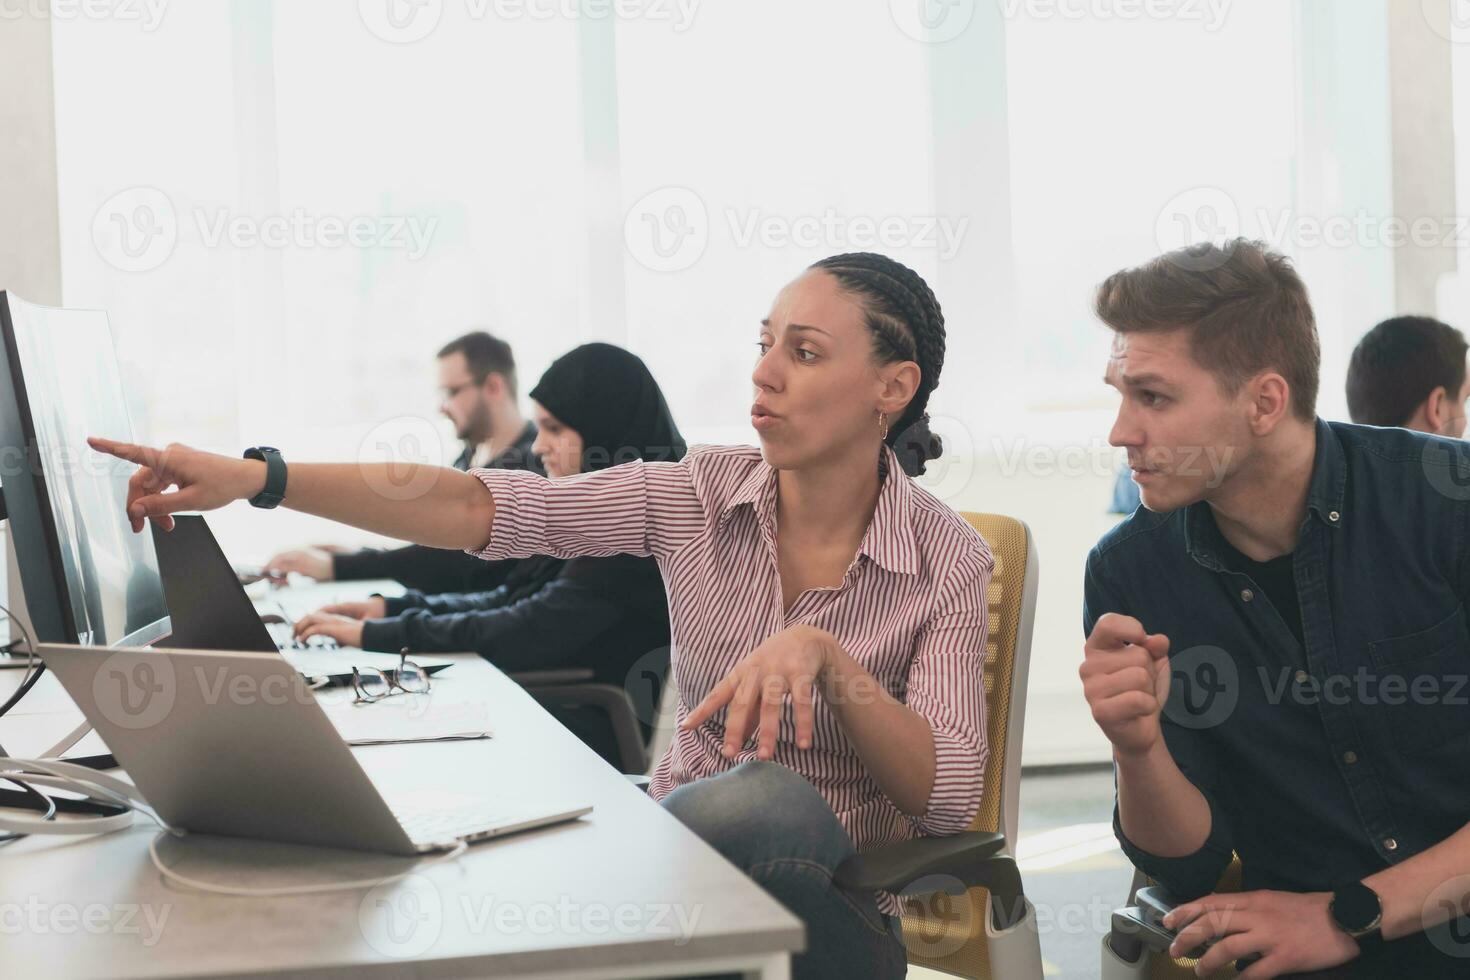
[{"x": 827, "y": 613}]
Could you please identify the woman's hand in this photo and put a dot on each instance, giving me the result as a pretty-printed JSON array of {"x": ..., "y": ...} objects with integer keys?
[
  {"x": 346, "y": 631},
  {"x": 206, "y": 481},
  {"x": 790, "y": 662},
  {"x": 374, "y": 607},
  {"x": 311, "y": 562}
]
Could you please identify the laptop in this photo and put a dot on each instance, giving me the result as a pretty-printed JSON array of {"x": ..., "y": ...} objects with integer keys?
[
  {"x": 211, "y": 611},
  {"x": 235, "y": 744}
]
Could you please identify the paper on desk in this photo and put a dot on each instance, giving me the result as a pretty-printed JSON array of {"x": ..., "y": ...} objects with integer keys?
[{"x": 408, "y": 718}]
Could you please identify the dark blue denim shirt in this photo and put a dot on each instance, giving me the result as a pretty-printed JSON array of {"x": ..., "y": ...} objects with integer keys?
[{"x": 1326, "y": 763}]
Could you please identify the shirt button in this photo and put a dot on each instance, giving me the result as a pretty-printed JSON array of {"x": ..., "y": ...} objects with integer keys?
[
  {"x": 1334, "y": 517},
  {"x": 1301, "y": 677},
  {"x": 1351, "y": 757},
  {"x": 1246, "y": 595},
  {"x": 1391, "y": 845}
]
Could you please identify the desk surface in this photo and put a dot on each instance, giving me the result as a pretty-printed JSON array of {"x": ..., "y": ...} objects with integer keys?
[{"x": 624, "y": 891}]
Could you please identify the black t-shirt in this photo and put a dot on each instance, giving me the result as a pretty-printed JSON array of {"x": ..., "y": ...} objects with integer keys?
[{"x": 1275, "y": 578}]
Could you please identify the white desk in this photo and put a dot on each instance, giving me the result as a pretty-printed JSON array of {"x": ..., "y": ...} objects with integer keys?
[{"x": 624, "y": 892}]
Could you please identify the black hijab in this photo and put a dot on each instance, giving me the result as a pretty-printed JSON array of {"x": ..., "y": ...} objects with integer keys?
[
  {"x": 608, "y": 395},
  {"x": 610, "y": 398}
]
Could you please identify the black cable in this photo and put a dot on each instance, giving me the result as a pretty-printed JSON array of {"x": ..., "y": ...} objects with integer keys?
[
  {"x": 24, "y": 689},
  {"x": 33, "y": 672},
  {"x": 38, "y": 801}
]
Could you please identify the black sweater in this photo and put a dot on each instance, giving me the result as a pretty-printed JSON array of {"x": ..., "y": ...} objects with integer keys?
[
  {"x": 601, "y": 613},
  {"x": 438, "y": 569}
]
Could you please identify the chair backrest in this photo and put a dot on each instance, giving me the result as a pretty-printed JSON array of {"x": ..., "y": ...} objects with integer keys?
[
  {"x": 935, "y": 934},
  {"x": 1012, "y": 613}
]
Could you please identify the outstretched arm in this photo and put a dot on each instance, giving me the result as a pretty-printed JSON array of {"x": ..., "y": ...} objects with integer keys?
[{"x": 429, "y": 505}]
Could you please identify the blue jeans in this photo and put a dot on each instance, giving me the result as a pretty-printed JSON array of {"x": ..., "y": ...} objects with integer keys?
[{"x": 772, "y": 824}]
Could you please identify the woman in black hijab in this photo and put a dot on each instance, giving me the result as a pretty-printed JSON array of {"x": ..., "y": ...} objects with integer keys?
[{"x": 595, "y": 407}]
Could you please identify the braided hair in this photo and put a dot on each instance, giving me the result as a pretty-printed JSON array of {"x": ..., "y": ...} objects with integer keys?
[{"x": 907, "y": 325}]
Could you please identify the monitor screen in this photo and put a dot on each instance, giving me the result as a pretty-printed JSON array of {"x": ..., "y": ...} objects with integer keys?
[{"x": 68, "y": 370}]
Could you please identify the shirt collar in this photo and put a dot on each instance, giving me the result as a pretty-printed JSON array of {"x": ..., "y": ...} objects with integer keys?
[
  {"x": 1325, "y": 495},
  {"x": 889, "y": 540}
]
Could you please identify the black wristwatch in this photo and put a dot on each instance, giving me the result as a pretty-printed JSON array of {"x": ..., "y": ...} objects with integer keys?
[
  {"x": 275, "y": 476},
  {"x": 1355, "y": 910}
]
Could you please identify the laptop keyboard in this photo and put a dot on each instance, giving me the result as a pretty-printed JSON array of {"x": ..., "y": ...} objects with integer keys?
[{"x": 285, "y": 640}]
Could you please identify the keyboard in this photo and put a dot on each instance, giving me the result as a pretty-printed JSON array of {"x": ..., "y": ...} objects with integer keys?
[{"x": 285, "y": 640}]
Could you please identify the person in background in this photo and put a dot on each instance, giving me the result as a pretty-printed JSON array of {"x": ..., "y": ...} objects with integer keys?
[
  {"x": 596, "y": 406},
  {"x": 477, "y": 375},
  {"x": 1409, "y": 372}
]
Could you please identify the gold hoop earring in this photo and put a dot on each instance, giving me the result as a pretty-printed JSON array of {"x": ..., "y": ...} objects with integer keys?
[{"x": 883, "y": 426}]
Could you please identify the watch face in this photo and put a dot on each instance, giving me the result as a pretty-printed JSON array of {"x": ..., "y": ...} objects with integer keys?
[{"x": 1355, "y": 907}]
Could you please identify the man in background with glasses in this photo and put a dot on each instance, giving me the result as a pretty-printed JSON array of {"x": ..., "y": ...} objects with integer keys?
[{"x": 477, "y": 380}]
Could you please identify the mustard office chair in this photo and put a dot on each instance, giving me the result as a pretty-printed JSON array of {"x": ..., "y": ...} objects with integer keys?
[
  {"x": 1128, "y": 956},
  {"x": 964, "y": 910}
]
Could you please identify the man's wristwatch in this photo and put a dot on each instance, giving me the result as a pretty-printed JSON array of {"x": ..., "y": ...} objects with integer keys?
[
  {"x": 1355, "y": 910},
  {"x": 275, "y": 476}
]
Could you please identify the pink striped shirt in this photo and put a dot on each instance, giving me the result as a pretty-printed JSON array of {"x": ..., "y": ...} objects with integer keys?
[{"x": 911, "y": 610}]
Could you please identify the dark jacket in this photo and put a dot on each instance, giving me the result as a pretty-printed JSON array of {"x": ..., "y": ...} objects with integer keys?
[
  {"x": 602, "y": 613},
  {"x": 436, "y": 569},
  {"x": 1327, "y": 759}
]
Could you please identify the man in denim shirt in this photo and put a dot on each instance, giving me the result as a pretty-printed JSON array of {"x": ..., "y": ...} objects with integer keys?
[{"x": 1277, "y": 645}]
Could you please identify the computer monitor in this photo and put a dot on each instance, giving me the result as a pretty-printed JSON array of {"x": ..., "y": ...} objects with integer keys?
[{"x": 86, "y": 577}]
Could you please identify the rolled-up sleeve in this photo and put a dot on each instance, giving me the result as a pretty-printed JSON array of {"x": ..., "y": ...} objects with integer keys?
[
  {"x": 636, "y": 508},
  {"x": 946, "y": 685}
]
